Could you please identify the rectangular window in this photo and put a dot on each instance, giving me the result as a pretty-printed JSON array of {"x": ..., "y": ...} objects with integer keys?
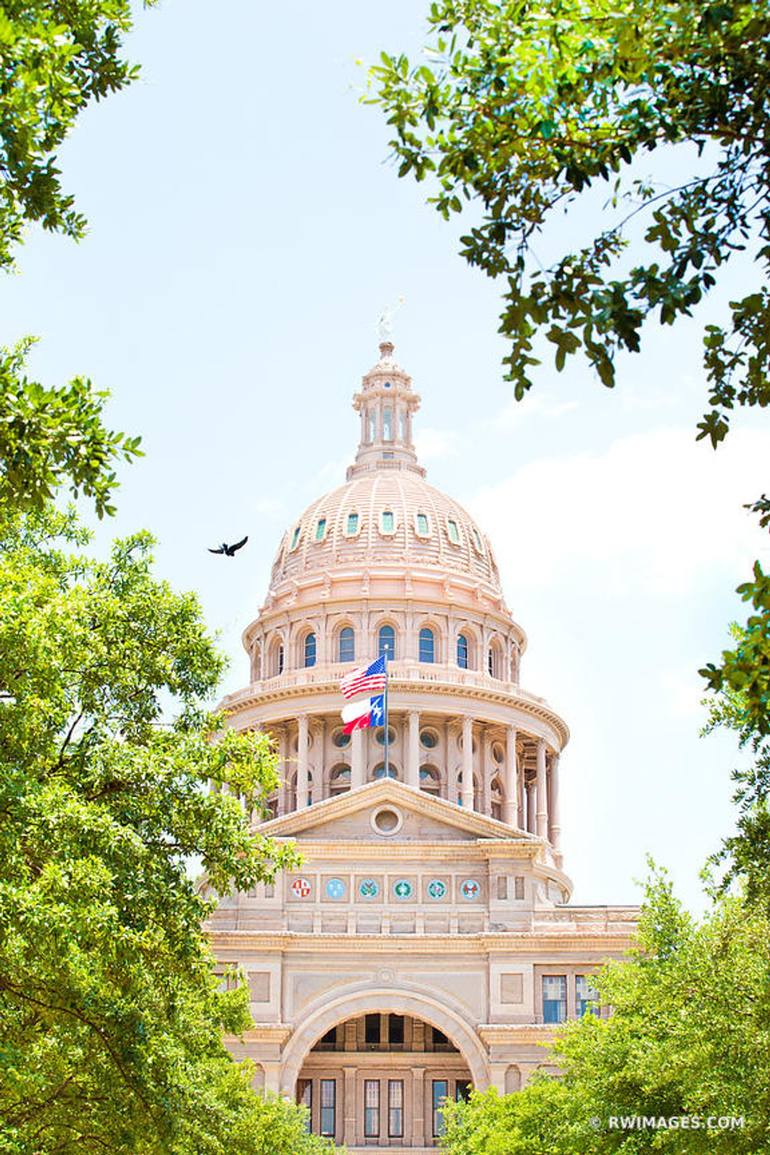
[
  {"x": 320, "y": 529},
  {"x": 463, "y": 1090},
  {"x": 518, "y": 887},
  {"x": 269, "y": 890},
  {"x": 423, "y": 528},
  {"x": 328, "y": 1108},
  {"x": 295, "y": 537},
  {"x": 387, "y": 425},
  {"x": 396, "y": 1030},
  {"x": 454, "y": 532},
  {"x": 388, "y": 521},
  {"x": 395, "y": 1108},
  {"x": 371, "y": 1108},
  {"x": 584, "y": 995},
  {"x": 372, "y": 1030},
  {"x": 305, "y": 1099},
  {"x": 440, "y": 1092},
  {"x": 554, "y": 998},
  {"x": 440, "y": 1041},
  {"x": 352, "y": 524},
  {"x": 502, "y": 887}
]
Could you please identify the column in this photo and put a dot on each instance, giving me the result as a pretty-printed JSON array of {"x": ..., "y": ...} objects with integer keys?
[
  {"x": 418, "y": 1106},
  {"x": 510, "y": 783},
  {"x": 413, "y": 750},
  {"x": 467, "y": 794},
  {"x": 541, "y": 812},
  {"x": 320, "y": 762},
  {"x": 349, "y": 1107},
  {"x": 521, "y": 795},
  {"x": 357, "y": 760},
  {"x": 302, "y": 767},
  {"x": 553, "y": 803},
  {"x": 283, "y": 770},
  {"x": 529, "y": 791}
]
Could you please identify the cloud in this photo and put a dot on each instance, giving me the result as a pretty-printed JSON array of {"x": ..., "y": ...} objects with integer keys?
[
  {"x": 270, "y": 507},
  {"x": 655, "y": 511},
  {"x": 432, "y": 444},
  {"x": 516, "y": 413}
]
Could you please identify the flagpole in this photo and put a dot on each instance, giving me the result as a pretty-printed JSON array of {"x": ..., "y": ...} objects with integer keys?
[{"x": 387, "y": 724}]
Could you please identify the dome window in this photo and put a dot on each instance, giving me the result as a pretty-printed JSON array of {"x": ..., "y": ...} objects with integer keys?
[
  {"x": 351, "y": 525},
  {"x": 421, "y": 525},
  {"x": 429, "y": 739},
  {"x": 453, "y": 530},
  {"x": 462, "y": 651},
  {"x": 386, "y": 643},
  {"x": 347, "y": 645},
  {"x": 339, "y": 780},
  {"x": 310, "y": 650},
  {"x": 430, "y": 780},
  {"x": 387, "y": 424},
  {"x": 320, "y": 529},
  {"x": 387, "y": 521},
  {"x": 341, "y": 739},
  {"x": 477, "y": 540},
  {"x": 427, "y": 645},
  {"x": 295, "y": 537},
  {"x": 381, "y": 772},
  {"x": 379, "y": 736}
]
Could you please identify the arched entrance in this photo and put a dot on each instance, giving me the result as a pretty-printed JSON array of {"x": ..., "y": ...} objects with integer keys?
[{"x": 375, "y": 1069}]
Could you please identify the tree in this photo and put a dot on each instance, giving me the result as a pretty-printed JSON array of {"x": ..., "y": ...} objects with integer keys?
[
  {"x": 55, "y": 59},
  {"x": 740, "y": 686},
  {"x": 523, "y": 107},
  {"x": 689, "y": 1036},
  {"x": 111, "y": 1018}
]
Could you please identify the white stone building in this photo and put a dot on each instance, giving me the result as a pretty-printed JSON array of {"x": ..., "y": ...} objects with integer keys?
[{"x": 427, "y": 944}]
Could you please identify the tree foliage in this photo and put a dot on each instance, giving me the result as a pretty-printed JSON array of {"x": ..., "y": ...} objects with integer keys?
[
  {"x": 111, "y": 1019},
  {"x": 689, "y": 1036},
  {"x": 51, "y": 437},
  {"x": 522, "y": 107},
  {"x": 55, "y": 59},
  {"x": 740, "y": 686}
]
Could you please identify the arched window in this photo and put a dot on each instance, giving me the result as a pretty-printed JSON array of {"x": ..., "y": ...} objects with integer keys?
[
  {"x": 495, "y": 661},
  {"x": 430, "y": 780},
  {"x": 310, "y": 649},
  {"x": 372, "y": 425},
  {"x": 387, "y": 424},
  {"x": 462, "y": 651},
  {"x": 387, "y": 642},
  {"x": 379, "y": 771},
  {"x": 339, "y": 780},
  {"x": 347, "y": 645},
  {"x": 276, "y": 659},
  {"x": 496, "y": 798},
  {"x": 427, "y": 645}
]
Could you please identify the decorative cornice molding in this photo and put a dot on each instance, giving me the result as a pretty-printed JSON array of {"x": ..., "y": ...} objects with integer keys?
[{"x": 482, "y": 944}]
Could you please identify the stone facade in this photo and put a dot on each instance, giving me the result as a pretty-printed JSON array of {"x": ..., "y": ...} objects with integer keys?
[{"x": 427, "y": 944}]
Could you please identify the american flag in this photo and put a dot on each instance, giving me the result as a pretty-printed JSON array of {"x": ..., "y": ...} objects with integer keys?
[{"x": 371, "y": 680}]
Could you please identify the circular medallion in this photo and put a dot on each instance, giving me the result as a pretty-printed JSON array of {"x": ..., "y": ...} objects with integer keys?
[
  {"x": 403, "y": 888},
  {"x": 368, "y": 888},
  {"x": 301, "y": 888},
  {"x": 335, "y": 888},
  {"x": 470, "y": 889},
  {"x": 436, "y": 888}
]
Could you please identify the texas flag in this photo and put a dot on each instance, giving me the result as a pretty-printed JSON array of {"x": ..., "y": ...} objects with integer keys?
[{"x": 360, "y": 715}]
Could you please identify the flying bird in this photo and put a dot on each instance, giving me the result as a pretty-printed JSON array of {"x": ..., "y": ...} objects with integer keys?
[{"x": 229, "y": 550}]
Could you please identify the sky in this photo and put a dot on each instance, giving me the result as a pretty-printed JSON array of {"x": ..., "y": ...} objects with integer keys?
[{"x": 246, "y": 230}]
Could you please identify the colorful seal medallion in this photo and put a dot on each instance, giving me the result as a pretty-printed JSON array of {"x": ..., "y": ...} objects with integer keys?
[
  {"x": 470, "y": 889},
  {"x": 301, "y": 888},
  {"x": 368, "y": 888},
  {"x": 436, "y": 888},
  {"x": 403, "y": 888},
  {"x": 335, "y": 888}
]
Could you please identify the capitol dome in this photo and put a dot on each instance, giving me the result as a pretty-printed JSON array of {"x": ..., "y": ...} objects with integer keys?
[{"x": 385, "y": 517}]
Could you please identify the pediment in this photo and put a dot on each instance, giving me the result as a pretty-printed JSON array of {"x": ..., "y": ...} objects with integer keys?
[{"x": 424, "y": 817}]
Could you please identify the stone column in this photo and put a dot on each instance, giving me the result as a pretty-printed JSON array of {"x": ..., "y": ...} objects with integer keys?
[
  {"x": 521, "y": 794},
  {"x": 349, "y": 1108},
  {"x": 541, "y": 812},
  {"x": 302, "y": 767},
  {"x": 413, "y": 750},
  {"x": 510, "y": 783},
  {"x": 418, "y": 1106},
  {"x": 357, "y": 760},
  {"x": 320, "y": 762},
  {"x": 283, "y": 770},
  {"x": 529, "y": 791},
  {"x": 467, "y": 794},
  {"x": 553, "y": 804}
]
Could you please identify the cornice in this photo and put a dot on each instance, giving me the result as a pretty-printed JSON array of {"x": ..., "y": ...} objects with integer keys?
[
  {"x": 278, "y": 1033},
  {"x": 481, "y": 944},
  {"x": 539, "y": 1033}
]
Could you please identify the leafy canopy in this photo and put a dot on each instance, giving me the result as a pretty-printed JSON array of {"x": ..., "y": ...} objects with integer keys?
[
  {"x": 55, "y": 59},
  {"x": 523, "y": 106},
  {"x": 111, "y": 1019},
  {"x": 689, "y": 1035}
]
